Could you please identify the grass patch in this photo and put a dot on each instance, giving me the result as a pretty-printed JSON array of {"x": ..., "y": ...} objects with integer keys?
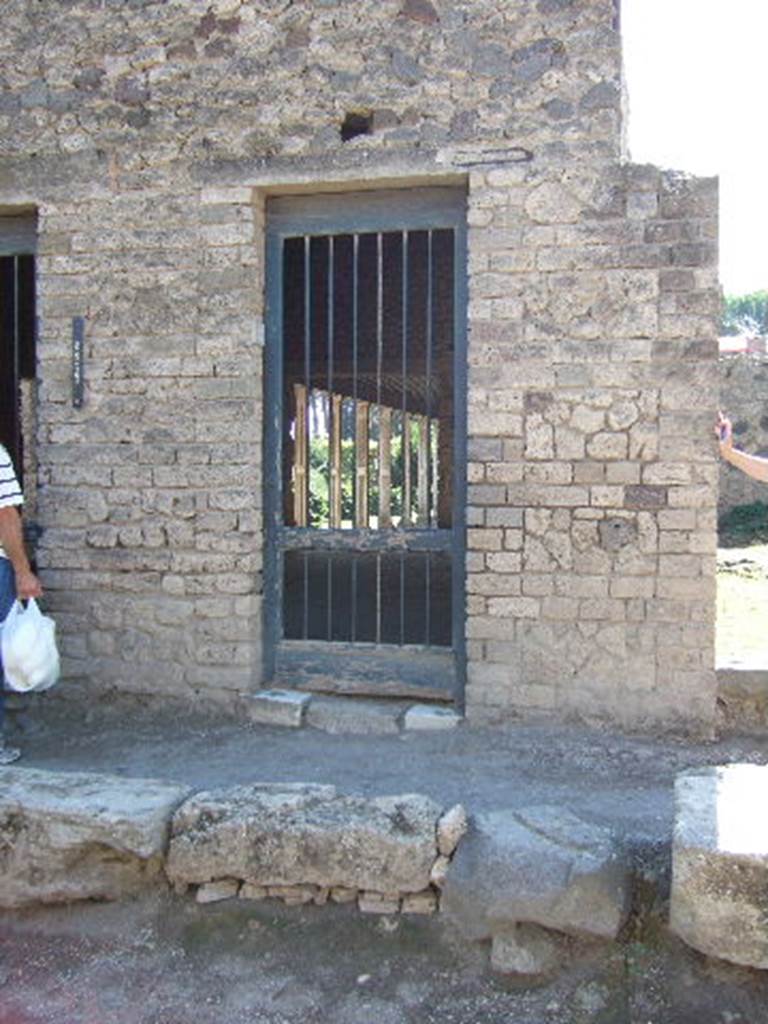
[{"x": 744, "y": 525}]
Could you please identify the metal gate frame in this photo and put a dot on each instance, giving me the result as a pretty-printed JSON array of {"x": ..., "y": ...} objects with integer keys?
[
  {"x": 316, "y": 662},
  {"x": 18, "y": 321}
]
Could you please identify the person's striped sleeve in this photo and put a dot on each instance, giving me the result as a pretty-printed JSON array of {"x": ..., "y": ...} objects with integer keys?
[{"x": 10, "y": 491}]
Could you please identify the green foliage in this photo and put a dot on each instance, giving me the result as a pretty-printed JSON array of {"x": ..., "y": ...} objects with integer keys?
[
  {"x": 744, "y": 525},
  {"x": 745, "y": 314},
  {"x": 319, "y": 475}
]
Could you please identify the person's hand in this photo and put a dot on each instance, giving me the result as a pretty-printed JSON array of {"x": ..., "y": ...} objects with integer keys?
[
  {"x": 28, "y": 585},
  {"x": 724, "y": 430}
]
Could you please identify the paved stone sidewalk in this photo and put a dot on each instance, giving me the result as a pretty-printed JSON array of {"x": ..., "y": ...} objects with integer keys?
[
  {"x": 623, "y": 781},
  {"x": 221, "y": 962}
]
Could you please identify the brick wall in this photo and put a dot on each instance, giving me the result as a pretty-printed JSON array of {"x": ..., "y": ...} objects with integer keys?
[{"x": 148, "y": 138}]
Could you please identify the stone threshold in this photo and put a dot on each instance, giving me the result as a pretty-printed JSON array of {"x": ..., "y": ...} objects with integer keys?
[{"x": 355, "y": 715}]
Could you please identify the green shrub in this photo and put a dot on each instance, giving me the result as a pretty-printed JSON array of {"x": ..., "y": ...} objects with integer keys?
[{"x": 744, "y": 525}]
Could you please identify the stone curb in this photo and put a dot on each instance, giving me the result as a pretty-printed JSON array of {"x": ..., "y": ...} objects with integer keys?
[
  {"x": 525, "y": 879},
  {"x": 68, "y": 836}
]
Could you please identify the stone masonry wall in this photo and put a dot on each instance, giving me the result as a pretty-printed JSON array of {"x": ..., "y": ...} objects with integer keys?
[
  {"x": 744, "y": 396},
  {"x": 148, "y": 136},
  {"x": 592, "y": 540},
  {"x": 150, "y": 500},
  {"x": 149, "y": 85}
]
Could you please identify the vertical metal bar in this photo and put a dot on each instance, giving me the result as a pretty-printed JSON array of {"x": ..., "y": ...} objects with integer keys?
[
  {"x": 402, "y": 598},
  {"x": 379, "y": 356},
  {"x": 17, "y": 457},
  {"x": 355, "y": 340},
  {"x": 305, "y": 609},
  {"x": 335, "y": 408},
  {"x": 307, "y": 415},
  {"x": 428, "y": 368},
  {"x": 405, "y": 514},
  {"x": 379, "y": 312},
  {"x": 329, "y": 409},
  {"x": 274, "y": 481},
  {"x": 329, "y": 596},
  {"x": 355, "y": 481},
  {"x": 330, "y": 433},
  {"x": 353, "y": 614},
  {"x": 427, "y": 598},
  {"x": 459, "y": 456},
  {"x": 378, "y": 597},
  {"x": 307, "y": 366}
]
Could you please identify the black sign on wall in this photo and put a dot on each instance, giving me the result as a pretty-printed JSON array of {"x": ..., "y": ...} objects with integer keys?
[{"x": 78, "y": 361}]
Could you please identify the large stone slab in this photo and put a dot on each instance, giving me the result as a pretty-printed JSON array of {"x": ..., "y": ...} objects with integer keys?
[
  {"x": 431, "y": 718},
  {"x": 69, "y": 835},
  {"x": 294, "y": 834},
  {"x": 340, "y": 715},
  {"x": 719, "y": 897},
  {"x": 278, "y": 707},
  {"x": 540, "y": 865}
]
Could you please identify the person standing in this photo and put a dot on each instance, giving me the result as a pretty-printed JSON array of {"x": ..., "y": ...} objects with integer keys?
[
  {"x": 16, "y": 577},
  {"x": 753, "y": 465}
]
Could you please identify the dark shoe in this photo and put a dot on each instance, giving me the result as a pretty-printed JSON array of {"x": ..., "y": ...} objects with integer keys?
[{"x": 8, "y": 754}]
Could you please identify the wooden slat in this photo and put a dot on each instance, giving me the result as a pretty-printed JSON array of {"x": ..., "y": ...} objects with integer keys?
[
  {"x": 362, "y": 669},
  {"x": 361, "y": 464},
  {"x": 335, "y": 497},
  {"x": 422, "y": 482},
  {"x": 385, "y": 467},
  {"x": 300, "y": 458}
]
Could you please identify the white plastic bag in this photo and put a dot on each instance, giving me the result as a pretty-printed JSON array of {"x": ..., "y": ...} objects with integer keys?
[{"x": 28, "y": 645}]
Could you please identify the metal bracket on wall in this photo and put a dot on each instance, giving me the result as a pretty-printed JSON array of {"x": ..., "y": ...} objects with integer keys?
[{"x": 78, "y": 361}]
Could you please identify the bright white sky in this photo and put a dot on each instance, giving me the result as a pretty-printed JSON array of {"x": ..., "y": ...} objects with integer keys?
[{"x": 697, "y": 73}]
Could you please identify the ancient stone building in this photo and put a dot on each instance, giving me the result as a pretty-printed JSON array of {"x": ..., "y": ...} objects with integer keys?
[{"x": 365, "y": 360}]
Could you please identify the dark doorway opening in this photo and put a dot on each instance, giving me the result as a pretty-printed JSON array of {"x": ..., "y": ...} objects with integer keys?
[
  {"x": 17, "y": 349},
  {"x": 367, "y": 507}
]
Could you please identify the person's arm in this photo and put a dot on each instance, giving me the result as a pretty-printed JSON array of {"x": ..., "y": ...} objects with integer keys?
[
  {"x": 12, "y": 541},
  {"x": 753, "y": 465}
]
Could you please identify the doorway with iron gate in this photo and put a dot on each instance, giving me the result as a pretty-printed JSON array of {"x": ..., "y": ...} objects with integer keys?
[
  {"x": 365, "y": 443},
  {"x": 18, "y": 329}
]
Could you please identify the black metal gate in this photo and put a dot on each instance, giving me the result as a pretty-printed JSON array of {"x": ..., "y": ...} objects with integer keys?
[
  {"x": 17, "y": 328},
  {"x": 365, "y": 442}
]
